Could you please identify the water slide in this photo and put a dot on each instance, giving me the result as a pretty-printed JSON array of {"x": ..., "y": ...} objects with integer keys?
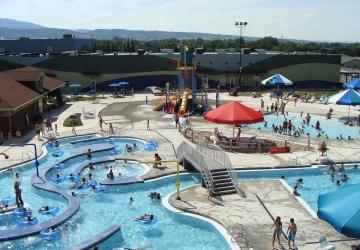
[
  {"x": 184, "y": 102},
  {"x": 160, "y": 103}
]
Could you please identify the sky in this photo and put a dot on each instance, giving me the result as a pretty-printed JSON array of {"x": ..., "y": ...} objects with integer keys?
[{"x": 318, "y": 20}]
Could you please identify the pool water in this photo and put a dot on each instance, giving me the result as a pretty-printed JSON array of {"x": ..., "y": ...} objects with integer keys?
[
  {"x": 99, "y": 211},
  {"x": 331, "y": 128},
  {"x": 316, "y": 181}
]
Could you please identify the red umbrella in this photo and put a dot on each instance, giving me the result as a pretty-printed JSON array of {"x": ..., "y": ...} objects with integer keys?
[{"x": 234, "y": 113}]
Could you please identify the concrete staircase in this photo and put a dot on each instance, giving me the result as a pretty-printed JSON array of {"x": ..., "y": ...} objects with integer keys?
[{"x": 222, "y": 182}]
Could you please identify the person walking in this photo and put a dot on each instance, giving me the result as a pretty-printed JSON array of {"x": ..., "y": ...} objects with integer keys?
[
  {"x": 176, "y": 116},
  {"x": 262, "y": 104},
  {"x": 291, "y": 232},
  {"x": 147, "y": 124},
  {"x": 18, "y": 198},
  {"x": 277, "y": 230},
  {"x": 101, "y": 121}
]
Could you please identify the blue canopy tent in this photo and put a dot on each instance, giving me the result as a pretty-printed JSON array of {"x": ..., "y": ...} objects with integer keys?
[
  {"x": 353, "y": 84},
  {"x": 123, "y": 84},
  {"x": 276, "y": 80},
  {"x": 347, "y": 97},
  {"x": 342, "y": 210},
  {"x": 74, "y": 86}
]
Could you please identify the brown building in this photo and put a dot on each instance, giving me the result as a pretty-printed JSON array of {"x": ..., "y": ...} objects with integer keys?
[{"x": 25, "y": 93}]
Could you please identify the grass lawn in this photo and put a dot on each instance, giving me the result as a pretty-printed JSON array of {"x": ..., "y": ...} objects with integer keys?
[{"x": 73, "y": 120}]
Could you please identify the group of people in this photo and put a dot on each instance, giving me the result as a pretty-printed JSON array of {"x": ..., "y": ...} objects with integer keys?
[
  {"x": 291, "y": 231},
  {"x": 41, "y": 128},
  {"x": 154, "y": 196},
  {"x": 341, "y": 170}
]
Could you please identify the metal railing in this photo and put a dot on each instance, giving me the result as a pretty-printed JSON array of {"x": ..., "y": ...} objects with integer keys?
[
  {"x": 194, "y": 156},
  {"x": 219, "y": 155}
]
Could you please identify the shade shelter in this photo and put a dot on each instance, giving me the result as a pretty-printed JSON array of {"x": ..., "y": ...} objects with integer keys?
[
  {"x": 234, "y": 113},
  {"x": 353, "y": 84},
  {"x": 123, "y": 84},
  {"x": 341, "y": 209},
  {"x": 347, "y": 97},
  {"x": 276, "y": 80}
]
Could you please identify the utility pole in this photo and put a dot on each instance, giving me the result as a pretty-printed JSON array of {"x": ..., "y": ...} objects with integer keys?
[{"x": 241, "y": 25}]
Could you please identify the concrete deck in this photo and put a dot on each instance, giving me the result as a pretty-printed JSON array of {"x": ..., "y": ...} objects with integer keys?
[
  {"x": 92, "y": 242},
  {"x": 256, "y": 219}
]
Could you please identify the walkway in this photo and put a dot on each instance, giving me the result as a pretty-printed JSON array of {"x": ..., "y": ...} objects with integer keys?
[{"x": 251, "y": 215}]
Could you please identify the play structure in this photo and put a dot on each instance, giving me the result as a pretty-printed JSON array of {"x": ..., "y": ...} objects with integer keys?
[{"x": 187, "y": 99}]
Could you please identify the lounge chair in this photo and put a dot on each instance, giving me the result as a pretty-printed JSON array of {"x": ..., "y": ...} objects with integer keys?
[
  {"x": 89, "y": 114},
  {"x": 324, "y": 244}
]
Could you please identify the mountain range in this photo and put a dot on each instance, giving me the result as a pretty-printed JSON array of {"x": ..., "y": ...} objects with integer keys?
[{"x": 14, "y": 29}]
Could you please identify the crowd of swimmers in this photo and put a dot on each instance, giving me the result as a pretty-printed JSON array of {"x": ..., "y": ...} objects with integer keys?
[{"x": 154, "y": 196}]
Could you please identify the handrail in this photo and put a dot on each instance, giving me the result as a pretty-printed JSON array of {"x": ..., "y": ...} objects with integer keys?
[
  {"x": 185, "y": 149},
  {"x": 219, "y": 155}
]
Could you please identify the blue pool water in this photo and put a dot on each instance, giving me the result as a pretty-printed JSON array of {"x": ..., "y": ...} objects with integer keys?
[
  {"x": 99, "y": 211},
  {"x": 316, "y": 181},
  {"x": 332, "y": 128}
]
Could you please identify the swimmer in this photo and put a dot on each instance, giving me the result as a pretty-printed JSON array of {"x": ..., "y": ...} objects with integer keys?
[
  {"x": 88, "y": 154},
  {"x": 344, "y": 178},
  {"x": 282, "y": 177},
  {"x": 91, "y": 166},
  {"x": 295, "y": 192},
  {"x": 355, "y": 166},
  {"x": 90, "y": 177},
  {"x": 299, "y": 181},
  {"x": 29, "y": 218},
  {"x": 338, "y": 182},
  {"x": 145, "y": 217},
  {"x": 44, "y": 209},
  {"x": 110, "y": 175},
  {"x": 349, "y": 138},
  {"x": 341, "y": 168},
  {"x": 131, "y": 201},
  {"x": 73, "y": 194}
]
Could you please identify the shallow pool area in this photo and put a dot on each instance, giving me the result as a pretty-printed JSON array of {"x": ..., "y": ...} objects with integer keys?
[
  {"x": 331, "y": 128},
  {"x": 99, "y": 210},
  {"x": 316, "y": 180}
]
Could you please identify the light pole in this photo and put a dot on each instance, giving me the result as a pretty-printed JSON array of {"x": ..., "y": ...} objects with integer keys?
[
  {"x": 36, "y": 156},
  {"x": 240, "y": 25}
]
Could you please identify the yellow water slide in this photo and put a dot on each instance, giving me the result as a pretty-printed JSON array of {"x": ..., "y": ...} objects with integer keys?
[{"x": 184, "y": 102}]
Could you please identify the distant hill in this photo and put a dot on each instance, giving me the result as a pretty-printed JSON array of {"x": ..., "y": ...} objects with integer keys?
[
  {"x": 13, "y": 29},
  {"x": 15, "y": 24}
]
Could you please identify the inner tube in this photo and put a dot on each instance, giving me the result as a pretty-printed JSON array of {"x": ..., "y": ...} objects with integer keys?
[
  {"x": 9, "y": 200},
  {"x": 91, "y": 183},
  {"x": 110, "y": 140},
  {"x": 148, "y": 223},
  {"x": 21, "y": 212},
  {"x": 100, "y": 190},
  {"x": 58, "y": 153},
  {"x": 57, "y": 180},
  {"x": 73, "y": 177},
  {"x": 58, "y": 166},
  {"x": 47, "y": 235},
  {"x": 52, "y": 210},
  {"x": 25, "y": 223}
]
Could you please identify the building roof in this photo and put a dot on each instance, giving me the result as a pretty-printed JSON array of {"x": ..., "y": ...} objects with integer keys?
[
  {"x": 50, "y": 83},
  {"x": 25, "y": 74},
  {"x": 32, "y": 74},
  {"x": 13, "y": 94}
]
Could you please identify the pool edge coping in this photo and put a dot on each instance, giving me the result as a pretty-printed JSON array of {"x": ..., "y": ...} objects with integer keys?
[{"x": 217, "y": 225}]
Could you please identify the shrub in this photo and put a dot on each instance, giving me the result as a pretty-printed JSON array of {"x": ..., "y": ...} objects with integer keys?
[{"x": 73, "y": 120}]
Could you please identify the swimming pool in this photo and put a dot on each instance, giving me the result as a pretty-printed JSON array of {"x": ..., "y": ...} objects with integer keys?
[
  {"x": 316, "y": 180},
  {"x": 99, "y": 211},
  {"x": 332, "y": 128}
]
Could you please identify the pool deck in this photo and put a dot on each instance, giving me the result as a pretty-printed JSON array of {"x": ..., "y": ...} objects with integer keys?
[{"x": 253, "y": 215}]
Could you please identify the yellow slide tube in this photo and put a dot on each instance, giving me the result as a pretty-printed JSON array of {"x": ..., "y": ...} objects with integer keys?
[{"x": 184, "y": 101}]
